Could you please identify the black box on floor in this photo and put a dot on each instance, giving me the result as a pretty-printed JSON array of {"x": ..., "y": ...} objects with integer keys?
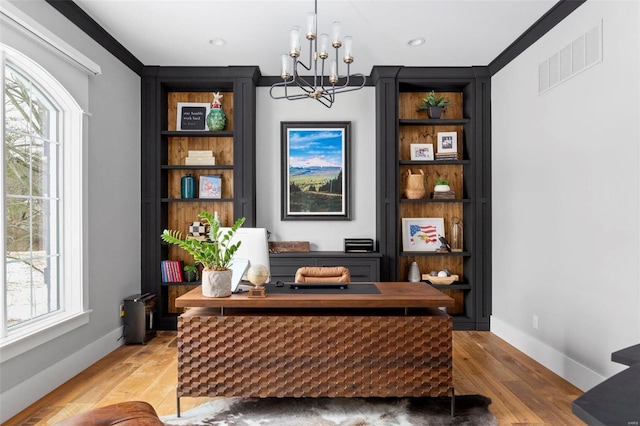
[{"x": 138, "y": 318}]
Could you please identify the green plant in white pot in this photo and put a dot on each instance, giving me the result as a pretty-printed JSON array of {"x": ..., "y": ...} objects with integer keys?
[
  {"x": 214, "y": 254},
  {"x": 442, "y": 185}
]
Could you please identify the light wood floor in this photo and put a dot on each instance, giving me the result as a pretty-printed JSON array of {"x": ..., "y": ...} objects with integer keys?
[{"x": 522, "y": 391}]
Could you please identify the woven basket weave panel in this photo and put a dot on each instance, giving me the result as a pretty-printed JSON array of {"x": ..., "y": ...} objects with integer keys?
[{"x": 307, "y": 356}]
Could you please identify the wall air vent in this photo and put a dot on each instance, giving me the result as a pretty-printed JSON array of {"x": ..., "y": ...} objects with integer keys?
[{"x": 580, "y": 55}]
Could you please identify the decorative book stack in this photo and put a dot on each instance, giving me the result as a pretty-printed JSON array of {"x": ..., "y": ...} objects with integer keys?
[
  {"x": 171, "y": 271},
  {"x": 446, "y": 155},
  {"x": 200, "y": 158},
  {"x": 443, "y": 195}
]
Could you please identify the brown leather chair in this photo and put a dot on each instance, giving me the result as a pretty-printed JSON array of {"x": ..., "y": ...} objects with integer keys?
[
  {"x": 323, "y": 274},
  {"x": 132, "y": 413}
]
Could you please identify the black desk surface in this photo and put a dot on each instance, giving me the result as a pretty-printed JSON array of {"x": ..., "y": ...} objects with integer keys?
[{"x": 616, "y": 401}]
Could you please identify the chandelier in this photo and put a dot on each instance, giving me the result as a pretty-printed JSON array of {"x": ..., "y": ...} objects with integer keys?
[{"x": 326, "y": 81}]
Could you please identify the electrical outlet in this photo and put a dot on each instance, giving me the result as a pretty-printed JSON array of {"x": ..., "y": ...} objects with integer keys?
[
  {"x": 535, "y": 322},
  {"x": 122, "y": 309}
]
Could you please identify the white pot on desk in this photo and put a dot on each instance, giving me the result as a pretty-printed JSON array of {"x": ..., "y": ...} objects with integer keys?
[{"x": 216, "y": 283}]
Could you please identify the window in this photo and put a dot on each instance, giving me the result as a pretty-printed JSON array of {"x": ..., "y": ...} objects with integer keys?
[{"x": 42, "y": 193}]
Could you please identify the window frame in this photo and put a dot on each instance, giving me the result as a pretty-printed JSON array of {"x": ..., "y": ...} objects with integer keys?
[{"x": 72, "y": 284}]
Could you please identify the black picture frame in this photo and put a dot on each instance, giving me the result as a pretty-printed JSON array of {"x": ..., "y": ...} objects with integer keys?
[{"x": 316, "y": 170}]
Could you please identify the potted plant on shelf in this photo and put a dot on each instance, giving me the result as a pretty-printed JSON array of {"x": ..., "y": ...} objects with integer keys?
[
  {"x": 442, "y": 185},
  {"x": 192, "y": 273},
  {"x": 214, "y": 254},
  {"x": 434, "y": 104}
]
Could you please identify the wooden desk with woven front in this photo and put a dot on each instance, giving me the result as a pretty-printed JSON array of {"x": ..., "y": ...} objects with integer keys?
[{"x": 391, "y": 343}]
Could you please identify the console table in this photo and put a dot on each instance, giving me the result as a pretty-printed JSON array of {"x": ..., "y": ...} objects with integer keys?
[
  {"x": 363, "y": 266},
  {"x": 394, "y": 343}
]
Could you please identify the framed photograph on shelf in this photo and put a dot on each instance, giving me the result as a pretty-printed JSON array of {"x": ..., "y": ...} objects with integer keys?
[
  {"x": 315, "y": 170},
  {"x": 421, "y": 152},
  {"x": 447, "y": 142},
  {"x": 422, "y": 233},
  {"x": 192, "y": 116},
  {"x": 210, "y": 186}
]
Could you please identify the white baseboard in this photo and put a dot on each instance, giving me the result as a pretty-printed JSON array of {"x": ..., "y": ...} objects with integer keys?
[
  {"x": 569, "y": 369},
  {"x": 26, "y": 393}
]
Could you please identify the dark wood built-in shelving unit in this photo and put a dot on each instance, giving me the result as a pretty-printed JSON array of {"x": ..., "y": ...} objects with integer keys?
[
  {"x": 163, "y": 152},
  {"x": 400, "y": 123}
]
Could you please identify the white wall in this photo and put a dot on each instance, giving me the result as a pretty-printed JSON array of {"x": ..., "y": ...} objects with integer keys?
[
  {"x": 113, "y": 178},
  {"x": 566, "y": 190},
  {"x": 357, "y": 107}
]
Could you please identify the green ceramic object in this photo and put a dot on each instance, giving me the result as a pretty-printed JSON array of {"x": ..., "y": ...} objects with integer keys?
[{"x": 217, "y": 119}]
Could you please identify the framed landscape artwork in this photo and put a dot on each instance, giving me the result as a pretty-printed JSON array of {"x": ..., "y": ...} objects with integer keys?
[
  {"x": 315, "y": 170},
  {"x": 422, "y": 233}
]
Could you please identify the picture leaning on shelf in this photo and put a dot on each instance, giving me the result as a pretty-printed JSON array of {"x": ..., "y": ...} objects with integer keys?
[
  {"x": 447, "y": 146},
  {"x": 211, "y": 186},
  {"x": 421, "y": 152}
]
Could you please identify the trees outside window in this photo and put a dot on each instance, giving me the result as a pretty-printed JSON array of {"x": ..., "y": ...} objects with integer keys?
[
  {"x": 31, "y": 199},
  {"x": 41, "y": 187}
]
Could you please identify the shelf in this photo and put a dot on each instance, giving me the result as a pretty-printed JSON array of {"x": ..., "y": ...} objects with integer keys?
[
  {"x": 432, "y": 121},
  {"x": 434, "y": 162},
  {"x": 169, "y": 284},
  {"x": 432, "y": 200},
  {"x": 450, "y": 286},
  {"x": 434, "y": 253},
  {"x": 197, "y": 133},
  {"x": 199, "y": 167},
  {"x": 197, "y": 200}
]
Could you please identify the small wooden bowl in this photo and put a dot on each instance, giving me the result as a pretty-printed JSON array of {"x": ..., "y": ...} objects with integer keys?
[{"x": 440, "y": 280}]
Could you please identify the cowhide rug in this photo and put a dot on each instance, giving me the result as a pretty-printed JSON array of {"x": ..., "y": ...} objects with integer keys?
[{"x": 470, "y": 410}]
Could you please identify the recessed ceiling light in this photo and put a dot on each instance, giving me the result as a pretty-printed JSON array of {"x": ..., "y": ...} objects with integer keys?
[
  {"x": 218, "y": 41},
  {"x": 416, "y": 42}
]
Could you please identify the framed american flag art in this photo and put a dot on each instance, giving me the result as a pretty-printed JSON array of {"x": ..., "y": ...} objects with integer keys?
[{"x": 422, "y": 233}]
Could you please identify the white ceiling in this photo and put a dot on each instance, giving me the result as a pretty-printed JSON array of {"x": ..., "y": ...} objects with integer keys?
[{"x": 177, "y": 32}]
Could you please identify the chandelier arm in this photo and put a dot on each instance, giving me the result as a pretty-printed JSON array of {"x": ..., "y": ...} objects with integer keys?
[{"x": 286, "y": 95}]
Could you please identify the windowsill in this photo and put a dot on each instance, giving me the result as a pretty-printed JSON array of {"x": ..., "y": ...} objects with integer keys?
[{"x": 29, "y": 338}]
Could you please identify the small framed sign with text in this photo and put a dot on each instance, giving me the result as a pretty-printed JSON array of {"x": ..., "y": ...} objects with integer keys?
[{"x": 192, "y": 116}]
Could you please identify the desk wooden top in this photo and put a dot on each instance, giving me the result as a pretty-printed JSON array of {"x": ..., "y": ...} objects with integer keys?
[{"x": 392, "y": 295}]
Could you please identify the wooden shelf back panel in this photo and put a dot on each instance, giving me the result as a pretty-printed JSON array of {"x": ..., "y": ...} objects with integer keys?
[
  {"x": 200, "y": 97},
  {"x": 408, "y": 105},
  {"x": 175, "y": 177},
  {"x": 426, "y": 134},
  {"x": 444, "y": 210},
  {"x": 454, "y": 173},
  {"x": 182, "y": 214},
  {"x": 176, "y": 291},
  {"x": 432, "y": 263},
  {"x": 179, "y": 148}
]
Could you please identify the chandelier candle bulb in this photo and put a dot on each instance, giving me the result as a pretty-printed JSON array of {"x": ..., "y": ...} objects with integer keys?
[
  {"x": 311, "y": 26},
  {"x": 295, "y": 42},
  {"x": 324, "y": 46},
  {"x": 333, "y": 77},
  {"x": 286, "y": 72},
  {"x": 336, "y": 35},
  {"x": 348, "y": 54}
]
